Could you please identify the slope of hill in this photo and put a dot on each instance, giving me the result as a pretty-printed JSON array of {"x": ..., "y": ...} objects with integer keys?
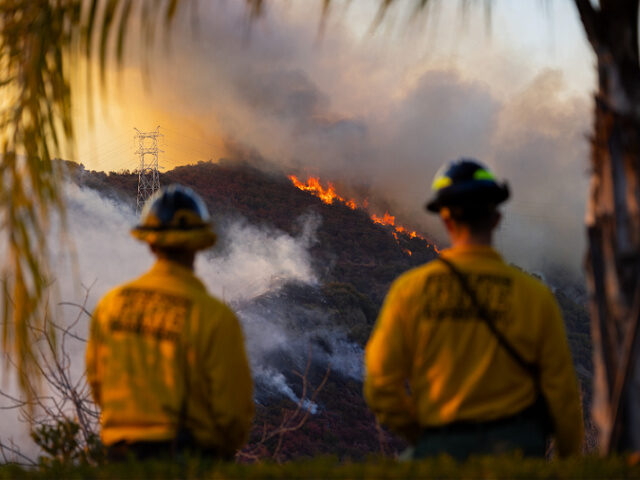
[
  {"x": 355, "y": 260},
  {"x": 350, "y": 248}
]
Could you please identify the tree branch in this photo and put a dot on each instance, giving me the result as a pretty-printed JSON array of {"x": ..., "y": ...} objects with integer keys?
[{"x": 17, "y": 454}]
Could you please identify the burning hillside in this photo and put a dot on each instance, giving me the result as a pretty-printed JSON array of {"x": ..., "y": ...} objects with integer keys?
[
  {"x": 329, "y": 196},
  {"x": 351, "y": 246}
]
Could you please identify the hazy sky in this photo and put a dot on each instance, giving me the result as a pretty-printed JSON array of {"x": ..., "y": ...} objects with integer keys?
[
  {"x": 376, "y": 112},
  {"x": 524, "y": 38}
]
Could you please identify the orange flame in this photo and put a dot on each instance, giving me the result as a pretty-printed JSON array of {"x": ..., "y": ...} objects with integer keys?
[
  {"x": 329, "y": 195},
  {"x": 388, "y": 219}
]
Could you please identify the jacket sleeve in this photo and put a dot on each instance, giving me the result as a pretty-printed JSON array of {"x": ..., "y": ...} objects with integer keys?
[
  {"x": 91, "y": 356},
  {"x": 559, "y": 384},
  {"x": 388, "y": 368},
  {"x": 230, "y": 383}
]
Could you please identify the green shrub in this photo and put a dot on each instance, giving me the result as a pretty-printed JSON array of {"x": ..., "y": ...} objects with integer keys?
[{"x": 63, "y": 444}]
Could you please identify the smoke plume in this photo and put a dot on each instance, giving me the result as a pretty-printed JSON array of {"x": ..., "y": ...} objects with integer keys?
[{"x": 376, "y": 115}]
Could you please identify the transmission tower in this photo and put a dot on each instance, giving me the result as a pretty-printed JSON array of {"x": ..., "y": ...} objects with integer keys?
[{"x": 148, "y": 177}]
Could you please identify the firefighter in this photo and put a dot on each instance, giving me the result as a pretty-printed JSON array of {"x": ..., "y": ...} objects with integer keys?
[
  {"x": 469, "y": 355},
  {"x": 166, "y": 361}
]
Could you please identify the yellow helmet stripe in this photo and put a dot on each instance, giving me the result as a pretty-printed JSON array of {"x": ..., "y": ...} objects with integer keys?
[{"x": 441, "y": 182}]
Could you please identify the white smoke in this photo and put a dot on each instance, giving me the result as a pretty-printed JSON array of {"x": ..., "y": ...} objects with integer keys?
[
  {"x": 273, "y": 379},
  {"x": 256, "y": 262}
]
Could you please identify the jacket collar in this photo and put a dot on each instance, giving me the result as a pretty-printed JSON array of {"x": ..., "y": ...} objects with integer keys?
[
  {"x": 472, "y": 251},
  {"x": 173, "y": 269}
]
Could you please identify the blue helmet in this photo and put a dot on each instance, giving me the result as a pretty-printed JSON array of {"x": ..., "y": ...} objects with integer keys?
[
  {"x": 466, "y": 182},
  {"x": 175, "y": 217}
]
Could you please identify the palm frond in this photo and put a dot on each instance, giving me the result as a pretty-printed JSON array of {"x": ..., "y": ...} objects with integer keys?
[{"x": 39, "y": 44}]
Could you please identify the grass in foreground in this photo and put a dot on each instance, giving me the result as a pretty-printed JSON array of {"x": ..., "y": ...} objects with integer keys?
[{"x": 331, "y": 468}]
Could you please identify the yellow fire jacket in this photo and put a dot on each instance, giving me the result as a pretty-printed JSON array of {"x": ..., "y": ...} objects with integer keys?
[
  {"x": 431, "y": 361},
  {"x": 162, "y": 339}
]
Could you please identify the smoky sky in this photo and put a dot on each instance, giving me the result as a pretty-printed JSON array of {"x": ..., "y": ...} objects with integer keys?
[{"x": 343, "y": 110}]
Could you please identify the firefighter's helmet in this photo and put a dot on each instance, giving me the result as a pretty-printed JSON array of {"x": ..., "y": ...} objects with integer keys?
[
  {"x": 175, "y": 217},
  {"x": 466, "y": 182}
]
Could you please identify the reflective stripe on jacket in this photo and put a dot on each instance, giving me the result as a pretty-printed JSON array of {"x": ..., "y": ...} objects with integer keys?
[
  {"x": 158, "y": 340},
  {"x": 431, "y": 361}
]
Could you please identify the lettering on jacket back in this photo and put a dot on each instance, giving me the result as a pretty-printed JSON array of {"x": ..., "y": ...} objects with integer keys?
[
  {"x": 444, "y": 297},
  {"x": 150, "y": 313}
]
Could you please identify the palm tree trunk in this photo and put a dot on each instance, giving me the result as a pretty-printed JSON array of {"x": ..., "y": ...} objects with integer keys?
[{"x": 613, "y": 222}]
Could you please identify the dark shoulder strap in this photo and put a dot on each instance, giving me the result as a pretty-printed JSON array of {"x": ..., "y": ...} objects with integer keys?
[{"x": 486, "y": 317}]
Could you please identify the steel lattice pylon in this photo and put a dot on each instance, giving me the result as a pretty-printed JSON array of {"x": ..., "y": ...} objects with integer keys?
[{"x": 148, "y": 177}]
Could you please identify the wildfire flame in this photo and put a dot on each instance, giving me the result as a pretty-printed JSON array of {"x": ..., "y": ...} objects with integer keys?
[{"x": 329, "y": 195}]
